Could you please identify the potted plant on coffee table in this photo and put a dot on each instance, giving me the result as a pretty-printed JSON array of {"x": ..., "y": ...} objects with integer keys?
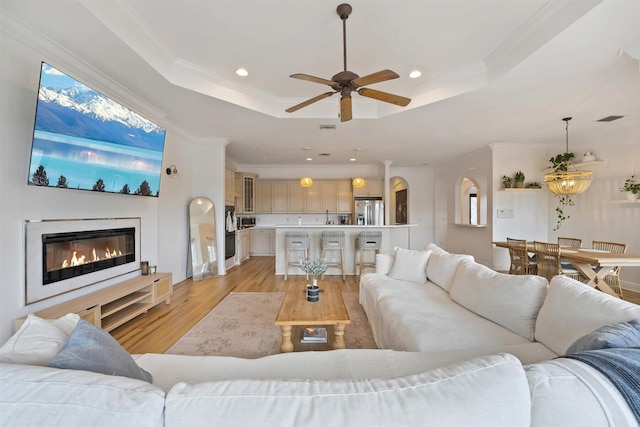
[
  {"x": 314, "y": 267},
  {"x": 631, "y": 187}
]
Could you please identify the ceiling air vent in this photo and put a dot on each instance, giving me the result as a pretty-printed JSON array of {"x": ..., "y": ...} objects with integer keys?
[
  {"x": 327, "y": 127},
  {"x": 324, "y": 154},
  {"x": 609, "y": 118}
]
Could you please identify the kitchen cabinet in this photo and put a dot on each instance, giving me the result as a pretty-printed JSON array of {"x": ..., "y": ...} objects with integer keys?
[
  {"x": 248, "y": 196},
  {"x": 229, "y": 187},
  {"x": 345, "y": 197},
  {"x": 263, "y": 242},
  {"x": 263, "y": 196},
  {"x": 279, "y": 197},
  {"x": 329, "y": 196},
  {"x": 243, "y": 248},
  {"x": 296, "y": 197},
  {"x": 372, "y": 188},
  {"x": 312, "y": 199}
]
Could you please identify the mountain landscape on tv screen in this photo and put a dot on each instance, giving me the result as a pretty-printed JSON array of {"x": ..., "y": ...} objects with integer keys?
[{"x": 89, "y": 114}]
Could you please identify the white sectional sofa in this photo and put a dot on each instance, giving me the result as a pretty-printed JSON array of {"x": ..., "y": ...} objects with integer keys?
[{"x": 467, "y": 347}]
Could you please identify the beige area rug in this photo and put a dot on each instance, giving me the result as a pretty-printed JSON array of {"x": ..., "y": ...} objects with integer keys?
[{"x": 242, "y": 325}]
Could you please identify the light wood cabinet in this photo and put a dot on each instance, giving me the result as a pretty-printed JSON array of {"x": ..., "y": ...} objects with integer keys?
[
  {"x": 248, "y": 195},
  {"x": 345, "y": 197},
  {"x": 279, "y": 197},
  {"x": 263, "y": 242},
  {"x": 243, "y": 249},
  {"x": 111, "y": 307},
  {"x": 312, "y": 199},
  {"x": 372, "y": 188},
  {"x": 263, "y": 196},
  {"x": 296, "y": 197},
  {"x": 329, "y": 195},
  {"x": 229, "y": 187}
]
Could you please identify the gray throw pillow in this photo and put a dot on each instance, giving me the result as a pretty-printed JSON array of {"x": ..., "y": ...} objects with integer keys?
[
  {"x": 619, "y": 335},
  {"x": 92, "y": 349}
]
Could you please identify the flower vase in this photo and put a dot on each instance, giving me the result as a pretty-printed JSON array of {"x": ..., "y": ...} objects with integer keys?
[
  {"x": 313, "y": 291},
  {"x": 630, "y": 196}
]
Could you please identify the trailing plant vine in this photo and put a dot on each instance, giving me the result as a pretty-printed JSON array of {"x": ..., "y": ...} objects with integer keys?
[
  {"x": 559, "y": 163},
  {"x": 563, "y": 202}
]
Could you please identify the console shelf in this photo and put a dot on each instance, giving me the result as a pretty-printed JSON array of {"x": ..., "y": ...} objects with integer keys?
[{"x": 111, "y": 307}]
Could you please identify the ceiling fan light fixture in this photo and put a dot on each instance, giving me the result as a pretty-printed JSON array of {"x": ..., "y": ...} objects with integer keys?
[
  {"x": 568, "y": 182},
  {"x": 415, "y": 74}
]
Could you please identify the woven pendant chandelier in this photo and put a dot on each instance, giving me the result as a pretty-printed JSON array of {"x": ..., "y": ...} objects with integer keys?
[{"x": 566, "y": 179}]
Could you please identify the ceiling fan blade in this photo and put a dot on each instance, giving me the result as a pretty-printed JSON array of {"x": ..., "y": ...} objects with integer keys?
[
  {"x": 345, "y": 109},
  {"x": 378, "y": 77},
  {"x": 385, "y": 97},
  {"x": 313, "y": 79},
  {"x": 309, "y": 102}
]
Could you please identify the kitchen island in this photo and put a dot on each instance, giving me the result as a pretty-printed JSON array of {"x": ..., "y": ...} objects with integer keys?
[{"x": 392, "y": 235}]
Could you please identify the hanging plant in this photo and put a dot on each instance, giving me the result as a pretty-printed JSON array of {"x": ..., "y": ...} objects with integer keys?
[{"x": 563, "y": 201}]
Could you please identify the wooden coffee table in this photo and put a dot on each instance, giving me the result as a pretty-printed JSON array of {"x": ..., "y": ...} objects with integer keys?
[{"x": 297, "y": 311}]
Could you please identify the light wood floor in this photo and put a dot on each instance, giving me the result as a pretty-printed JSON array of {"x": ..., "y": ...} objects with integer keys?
[{"x": 162, "y": 326}]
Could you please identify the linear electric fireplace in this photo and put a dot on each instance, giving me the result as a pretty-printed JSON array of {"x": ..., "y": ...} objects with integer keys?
[
  {"x": 67, "y": 255},
  {"x": 64, "y": 255}
]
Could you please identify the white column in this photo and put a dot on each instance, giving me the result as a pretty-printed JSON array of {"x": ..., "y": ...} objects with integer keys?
[{"x": 387, "y": 177}]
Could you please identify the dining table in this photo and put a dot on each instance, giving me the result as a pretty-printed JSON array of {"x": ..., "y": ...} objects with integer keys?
[{"x": 592, "y": 264}]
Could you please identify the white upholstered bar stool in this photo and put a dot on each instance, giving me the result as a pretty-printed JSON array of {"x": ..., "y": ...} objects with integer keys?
[
  {"x": 295, "y": 241},
  {"x": 334, "y": 241},
  {"x": 367, "y": 241}
]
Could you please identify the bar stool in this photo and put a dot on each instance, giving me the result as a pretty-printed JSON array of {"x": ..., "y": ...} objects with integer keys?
[
  {"x": 334, "y": 241},
  {"x": 367, "y": 241},
  {"x": 295, "y": 241}
]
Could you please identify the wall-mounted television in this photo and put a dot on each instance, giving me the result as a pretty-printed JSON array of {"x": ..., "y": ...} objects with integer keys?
[{"x": 84, "y": 140}]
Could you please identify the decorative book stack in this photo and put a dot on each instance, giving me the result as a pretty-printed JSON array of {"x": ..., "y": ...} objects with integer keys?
[{"x": 314, "y": 335}]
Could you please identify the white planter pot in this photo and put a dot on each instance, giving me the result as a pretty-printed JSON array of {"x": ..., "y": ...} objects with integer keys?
[{"x": 631, "y": 196}]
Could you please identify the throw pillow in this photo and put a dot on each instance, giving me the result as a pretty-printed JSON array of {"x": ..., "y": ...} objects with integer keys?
[
  {"x": 619, "y": 335},
  {"x": 92, "y": 349},
  {"x": 384, "y": 262},
  {"x": 35, "y": 343},
  {"x": 410, "y": 265}
]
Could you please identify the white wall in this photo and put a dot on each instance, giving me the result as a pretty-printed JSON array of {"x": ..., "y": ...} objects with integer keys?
[{"x": 163, "y": 219}]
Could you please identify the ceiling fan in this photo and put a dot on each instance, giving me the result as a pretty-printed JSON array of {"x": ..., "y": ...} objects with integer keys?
[{"x": 346, "y": 81}]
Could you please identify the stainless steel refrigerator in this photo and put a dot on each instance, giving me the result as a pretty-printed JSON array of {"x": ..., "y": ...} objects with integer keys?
[{"x": 368, "y": 211}]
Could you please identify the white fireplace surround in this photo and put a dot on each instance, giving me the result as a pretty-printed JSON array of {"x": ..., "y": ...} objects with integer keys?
[{"x": 34, "y": 229}]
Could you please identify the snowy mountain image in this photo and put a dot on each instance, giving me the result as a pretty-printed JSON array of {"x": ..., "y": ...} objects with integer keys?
[{"x": 88, "y": 141}]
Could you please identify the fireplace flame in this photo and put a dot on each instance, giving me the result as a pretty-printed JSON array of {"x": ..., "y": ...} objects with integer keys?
[{"x": 82, "y": 259}]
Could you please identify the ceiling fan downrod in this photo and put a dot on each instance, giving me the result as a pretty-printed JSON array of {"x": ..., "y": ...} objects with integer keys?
[{"x": 344, "y": 10}]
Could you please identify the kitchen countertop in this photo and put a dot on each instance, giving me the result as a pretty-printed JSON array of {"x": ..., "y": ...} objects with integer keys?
[{"x": 341, "y": 226}]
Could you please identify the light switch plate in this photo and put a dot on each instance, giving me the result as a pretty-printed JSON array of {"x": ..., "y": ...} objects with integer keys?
[{"x": 505, "y": 213}]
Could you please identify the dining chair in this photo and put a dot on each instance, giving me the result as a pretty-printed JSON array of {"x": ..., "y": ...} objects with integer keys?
[
  {"x": 569, "y": 242},
  {"x": 548, "y": 259},
  {"x": 613, "y": 277},
  {"x": 520, "y": 261}
]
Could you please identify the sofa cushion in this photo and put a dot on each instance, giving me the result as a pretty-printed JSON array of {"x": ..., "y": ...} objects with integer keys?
[
  {"x": 36, "y": 342},
  {"x": 410, "y": 265},
  {"x": 442, "y": 267},
  {"x": 92, "y": 349},
  {"x": 486, "y": 391},
  {"x": 573, "y": 309},
  {"x": 384, "y": 262},
  {"x": 512, "y": 301},
  {"x": 435, "y": 248},
  {"x": 625, "y": 334},
  {"x": 41, "y": 396},
  {"x": 569, "y": 393}
]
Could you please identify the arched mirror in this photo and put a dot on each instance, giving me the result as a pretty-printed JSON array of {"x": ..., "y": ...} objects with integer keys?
[
  {"x": 470, "y": 203},
  {"x": 202, "y": 246}
]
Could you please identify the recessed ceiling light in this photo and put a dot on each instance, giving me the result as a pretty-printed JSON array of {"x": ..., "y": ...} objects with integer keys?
[
  {"x": 242, "y": 72},
  {"x": 352, "y": 159},
  {"x": 415, "y": 74},
  {"x": 309, "y": 159}
]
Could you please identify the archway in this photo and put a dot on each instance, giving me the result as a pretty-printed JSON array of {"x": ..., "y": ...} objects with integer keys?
[{"x": 399, "y": 201}]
